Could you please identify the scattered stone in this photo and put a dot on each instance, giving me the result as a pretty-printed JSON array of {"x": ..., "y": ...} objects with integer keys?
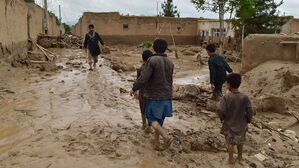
[
  {"x": 122, "y": 90},
  {"x": 271, "y": 104},
  {"x": 65, "y": 41},
  {"x": 48, "y": 67},
  {"x": 106, "y": 50},
  {"x": 261, "y": 157}
]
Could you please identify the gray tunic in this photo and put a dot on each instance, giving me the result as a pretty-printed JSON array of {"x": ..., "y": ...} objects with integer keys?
[{"x": 235, "y": 112}]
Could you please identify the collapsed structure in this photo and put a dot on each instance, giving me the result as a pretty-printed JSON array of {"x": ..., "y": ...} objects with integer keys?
[{"x": 259, "y": 48}]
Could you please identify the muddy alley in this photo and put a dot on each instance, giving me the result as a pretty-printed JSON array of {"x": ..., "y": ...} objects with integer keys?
[{"x": 66, "y": 116}]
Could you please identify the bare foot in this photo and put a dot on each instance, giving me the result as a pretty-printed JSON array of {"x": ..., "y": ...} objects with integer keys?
[{"x": 167, "y": 143}]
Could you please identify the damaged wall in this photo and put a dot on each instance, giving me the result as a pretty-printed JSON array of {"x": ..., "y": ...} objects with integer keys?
[
  {"x": 295, "y": 26},
  {"x": 115, "y": 28},
  {"x": 291, "y": 26},
  {"x": 13, "y": 30},
  {"x": 19, "y": 22},
  {"x": 35, "y": 22},
  {"x": 259, "y": 48}
]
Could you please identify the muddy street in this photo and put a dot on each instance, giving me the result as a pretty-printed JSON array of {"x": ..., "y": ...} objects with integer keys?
[{"x": 77, "y": 118}]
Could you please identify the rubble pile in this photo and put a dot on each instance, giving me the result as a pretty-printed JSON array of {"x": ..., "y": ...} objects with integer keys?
[{"x": 65, "y": 41}]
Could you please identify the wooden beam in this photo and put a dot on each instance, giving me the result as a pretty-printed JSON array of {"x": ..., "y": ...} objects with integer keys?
[
  {"x": 289, "y": 42},
  {"x": 297, "y": 52}
]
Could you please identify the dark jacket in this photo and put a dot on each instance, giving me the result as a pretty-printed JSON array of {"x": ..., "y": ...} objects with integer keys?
[
  {"x": 218, "y": 67},
  {"x": 157, "y": 78},
  {"x": 141, "y": 90},
  {"x": 91, "y": 41},
  {"x": 142, "y": 99},
  {"x": 236, "y": 112}
]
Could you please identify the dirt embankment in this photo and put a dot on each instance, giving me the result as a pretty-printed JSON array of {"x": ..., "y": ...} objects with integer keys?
[{"x": 75, "y": 118}]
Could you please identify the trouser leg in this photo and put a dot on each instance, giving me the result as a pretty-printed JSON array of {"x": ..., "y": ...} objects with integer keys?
[
  {"x": 230, "y": 154},
  {"x": 240, "y": 151}
]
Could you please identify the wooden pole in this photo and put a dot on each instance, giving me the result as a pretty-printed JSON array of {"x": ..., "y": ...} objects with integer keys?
[
  {"x": 60, "y": 26},
  {"x": 46, "y": 17}
]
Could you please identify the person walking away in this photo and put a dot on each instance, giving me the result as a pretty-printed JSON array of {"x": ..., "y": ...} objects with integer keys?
[
  {"x": 218, "y": 67},
  {"x": 235, "y": 112},
  {"x": 142, "y": 100},
  {"x": 91, "y": 46},
  {"x": 157, "y": 78}
]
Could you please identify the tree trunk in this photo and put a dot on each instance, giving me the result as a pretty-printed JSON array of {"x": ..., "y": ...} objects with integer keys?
[{"x": 221, "y": 20}]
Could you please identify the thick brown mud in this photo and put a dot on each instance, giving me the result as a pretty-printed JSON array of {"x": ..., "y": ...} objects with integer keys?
[{"x": 79, "y": 118}]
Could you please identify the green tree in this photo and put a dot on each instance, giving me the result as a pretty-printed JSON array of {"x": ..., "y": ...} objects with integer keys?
[
  {"x": 67, "y": 27},
  {"x": 169, "y": 9},
  {"x": 259, "y": 16}
]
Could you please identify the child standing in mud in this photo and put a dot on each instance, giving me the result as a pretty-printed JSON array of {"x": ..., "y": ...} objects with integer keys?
[
  {"x": 218, "y": 67},
  {"x": 157, "y": 78},
  {"x": 142, "y": 100},
  {"x": 235, "y": 113},
  {"x": 91, "y": 44}
]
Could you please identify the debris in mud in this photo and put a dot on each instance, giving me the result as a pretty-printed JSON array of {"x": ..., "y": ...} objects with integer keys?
[
  {"x": 77, "y": 64},
  {"x": 65, "y": 41},
  {"x": 119, "y": 66},
  {"x": 48, "y": 67},
  {"x": 290, "y": 80},
  {"x": 6, "y": 91},
  {"x": 260, "y": 157},
  {"x": 272, "y": 104},
  {"x": 106, "y": 50},
  {"x": 122, "y": 90},
  {"x": 189, "y": 92}
]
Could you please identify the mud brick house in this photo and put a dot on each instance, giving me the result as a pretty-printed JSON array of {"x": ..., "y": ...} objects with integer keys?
[
  {"x": 291, "y": 27},
  {"x": 115, "y": 28},
  {"x": 209, "y": 30}
]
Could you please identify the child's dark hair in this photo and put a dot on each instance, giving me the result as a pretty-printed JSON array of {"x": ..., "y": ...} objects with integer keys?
[
  {"x": 234, "y": 80},
  {"x": 211, "y": 48},
  {"x": 160, "y": 45},
  {"x": 91, "y": 26},
  {"x": 146, "y": 54}
]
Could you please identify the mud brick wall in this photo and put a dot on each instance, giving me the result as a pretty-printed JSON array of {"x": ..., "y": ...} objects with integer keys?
[
  {"x": 295, "y": 26},
  {"x": 112, "y": 27},
  {"x": 19, "y": 22},
  {"x": 35, "y": 22},
  {"x": 259, "y": 48},
  {"x": 13, "y": 30}
]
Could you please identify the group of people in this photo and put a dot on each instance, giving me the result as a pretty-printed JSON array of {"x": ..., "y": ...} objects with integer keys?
[{"x": 155, "y": 85}]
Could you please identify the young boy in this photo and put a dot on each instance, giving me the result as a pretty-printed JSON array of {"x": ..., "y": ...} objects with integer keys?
[
  {"x": 142, "y": 100},
  {"x": 91, "y": 43},
  {"x": 157, "y": 78},
  {"x": 235, "y": 113},
  {"x": 218, "y": 67}
]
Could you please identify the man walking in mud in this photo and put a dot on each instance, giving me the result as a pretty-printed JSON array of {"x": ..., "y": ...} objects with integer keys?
[
  {"x": 157, "y": 78},
  {"x": 91, "y": 46},
  {"x": 218, "y": 67}
]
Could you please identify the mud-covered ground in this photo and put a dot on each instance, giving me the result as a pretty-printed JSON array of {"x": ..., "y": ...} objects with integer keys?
[{"x": 75, "y": 118}]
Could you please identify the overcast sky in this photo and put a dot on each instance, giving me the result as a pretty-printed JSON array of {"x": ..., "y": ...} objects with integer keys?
[{"x": 72, "y": 10}]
